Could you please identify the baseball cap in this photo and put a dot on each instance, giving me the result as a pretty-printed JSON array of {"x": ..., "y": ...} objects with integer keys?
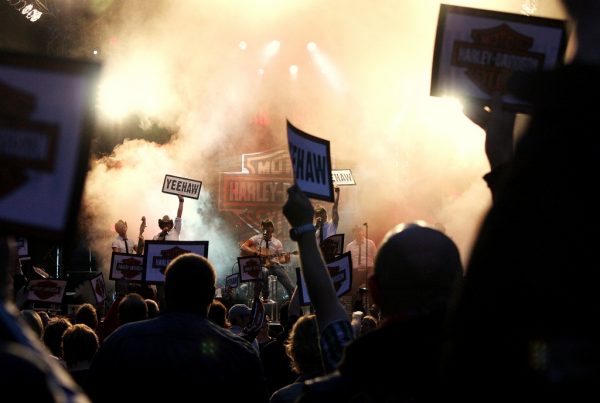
[{"x": 238, "y": 310}]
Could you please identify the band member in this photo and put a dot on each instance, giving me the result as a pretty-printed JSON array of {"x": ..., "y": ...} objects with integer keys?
[
  {"x": 363, "y": 252},
  {"x": 121, "y": 243},
  {"x": 325, "y": 227},
  {"x": 170, "y": 231},
  {"x": 273, "y": 256}
]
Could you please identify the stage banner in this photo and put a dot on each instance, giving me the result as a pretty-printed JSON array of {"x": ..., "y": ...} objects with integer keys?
[
  {"x": 250, "y": 268},
  {"x": 311, "y": 163},
  {"x": 477, "y": 50}
]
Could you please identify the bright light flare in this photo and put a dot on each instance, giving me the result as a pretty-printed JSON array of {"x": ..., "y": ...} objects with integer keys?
[
  {"x": 311, "y": 47},
  {"x": 294, "y": 71},
  {"x": 243, "y": 45},
  {"x": 272, "y": 48},
  {"x": 137, "y": 87}
]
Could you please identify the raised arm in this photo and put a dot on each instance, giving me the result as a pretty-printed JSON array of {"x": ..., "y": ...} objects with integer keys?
[
  {"x": 180, "y": 209},
  {"x": 335, "y": 217},
  {"x": 331, "y": 316},
  {"x": 498, "y": 124}
]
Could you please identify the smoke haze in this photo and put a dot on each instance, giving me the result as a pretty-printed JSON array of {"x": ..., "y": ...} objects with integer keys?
[{"x": 179, "y": 65}]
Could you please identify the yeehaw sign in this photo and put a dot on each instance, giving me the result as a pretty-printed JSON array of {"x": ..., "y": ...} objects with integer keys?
[
  {"x": 311, "y": 163},
  {"x": 182, "y": 186}
]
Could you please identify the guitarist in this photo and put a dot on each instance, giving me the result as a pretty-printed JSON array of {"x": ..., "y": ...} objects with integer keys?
[{"x": 273, "y": 256}]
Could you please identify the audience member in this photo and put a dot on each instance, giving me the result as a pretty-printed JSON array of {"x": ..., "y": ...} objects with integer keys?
[
  {"x": 524, "y": 321},
  {"x": 132, "y": 308},
  {"x": 86, "y": 314},
  {"x": 153, "y": 309},
  {"x": 79, "y": 345},
  {"x": 180, "y": 353},
  {"x": 414, "y": 275}
]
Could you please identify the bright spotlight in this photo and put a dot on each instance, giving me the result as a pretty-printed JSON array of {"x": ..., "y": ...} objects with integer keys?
[
  {"x": 311, "y": 46},
  {"x": 273, "y": 48},
  {"x": 243, "y": 45},
  {"x": 293, "y": 69},
  {"x": 261, "y": 72},
  {"x": 95, "y": 51}
]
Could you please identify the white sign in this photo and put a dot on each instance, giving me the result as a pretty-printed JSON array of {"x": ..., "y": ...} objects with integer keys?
[
  {"x": 340, "y": 271},
  {"x": 311, "y": 163},
  {"x": 477, "y": 50},
  {"x": 342, "y": 177},
  {"x": 182, "y": 186}
]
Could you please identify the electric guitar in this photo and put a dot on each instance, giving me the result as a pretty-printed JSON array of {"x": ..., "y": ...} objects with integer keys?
[{"x": 140, "y": 246}]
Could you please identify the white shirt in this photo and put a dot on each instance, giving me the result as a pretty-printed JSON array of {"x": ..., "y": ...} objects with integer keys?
[
  {"x": 275, "y": 247},
  {"x": 119, "y": 243},
  {"x": 361, "y": 256},
  {"x": 172, "y": 235}
]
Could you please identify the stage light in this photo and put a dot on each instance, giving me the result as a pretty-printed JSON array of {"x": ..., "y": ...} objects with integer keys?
[
  {"x": 311, "y": 46},
  {"x": 32, "y": 11},
  {"x": 294, "y": 70},
  {"x": 272, "y": 48},
  {"x": 243, "y": 45},
  {"x": 261, "y": 72},
  {"x": 95, "y": 51}
]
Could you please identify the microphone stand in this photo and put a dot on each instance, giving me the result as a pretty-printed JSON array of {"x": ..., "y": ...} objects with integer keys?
[{"x": 366, "y": 267}]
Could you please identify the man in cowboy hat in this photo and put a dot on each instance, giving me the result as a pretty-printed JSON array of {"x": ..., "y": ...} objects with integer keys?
[{"x": 169, "y": 230}]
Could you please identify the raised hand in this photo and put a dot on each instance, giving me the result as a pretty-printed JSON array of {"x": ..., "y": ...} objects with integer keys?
[{"x": 298, "y": 209}]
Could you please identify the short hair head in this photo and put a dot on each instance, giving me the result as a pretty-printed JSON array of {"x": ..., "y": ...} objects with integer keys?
[
  {"x": 320, "y": 212},
  {"x": 189, "y": 284},
  {"x": 267, "y": 223},
  {"x": 121, "y": 226},
  {"x": 415, "y": 269}
]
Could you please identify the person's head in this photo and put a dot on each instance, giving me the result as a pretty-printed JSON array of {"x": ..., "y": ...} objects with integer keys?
[
  {"x": 121, "y": 228},
  {"x": 153, "y": 309},
  {"x": 415, "y": 270},
  {"x": 79, "y": 344},
  {"x": 320, "y": 214},
  {"x": 165, "y": 223},
  {"x": 239, "y": 315},
  {"x": 579, "y": 9},
  {"x": 268, "y": 226},
  {"x": 189, "y": 284},
  {"x": 86, "y": 314},
  {"x": 302, "y": 346},
  {"x": 217, "y": 313},
  {"x": 54, "y": 333},
  {"x": 34, "y": 321},
  {"x": 359, "y": 232},
  {"x": 132, "y": 308}
]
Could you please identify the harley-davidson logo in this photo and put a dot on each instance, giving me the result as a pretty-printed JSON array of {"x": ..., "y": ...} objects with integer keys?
[
  {"x": 130, "y": 267},
  {"x": 252, "y": 268},
  {"x": 494, "y": 54},
  {"x": 45, "y": 289},
  {"x": 161, "y": 262}
]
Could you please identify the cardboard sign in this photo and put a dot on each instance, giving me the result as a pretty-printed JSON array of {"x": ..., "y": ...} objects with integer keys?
[
  {"x": 126, "y": 266},
  {"x": 46, "y": 109},
  {"x": 340, "y": 271},
  {"x": 311, "y": 163},
  {"x": 158, "y": 255},
  {"x": 182, "y": 186},
  {"x": 232, "y": 281},
  {"x": 477, "y": 50},
  {"x": 99, "y": 288},
  {"x": 342, "y": 177},
  {"x": 46, "y": 290},
  {"x": 250, "y": 268}
]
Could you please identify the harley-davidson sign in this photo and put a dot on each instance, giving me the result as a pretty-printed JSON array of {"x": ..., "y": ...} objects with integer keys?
[{"x": 262, "y": 182}]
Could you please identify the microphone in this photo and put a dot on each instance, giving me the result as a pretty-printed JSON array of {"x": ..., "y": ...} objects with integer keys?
[{"x": 365, "y": 224}]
